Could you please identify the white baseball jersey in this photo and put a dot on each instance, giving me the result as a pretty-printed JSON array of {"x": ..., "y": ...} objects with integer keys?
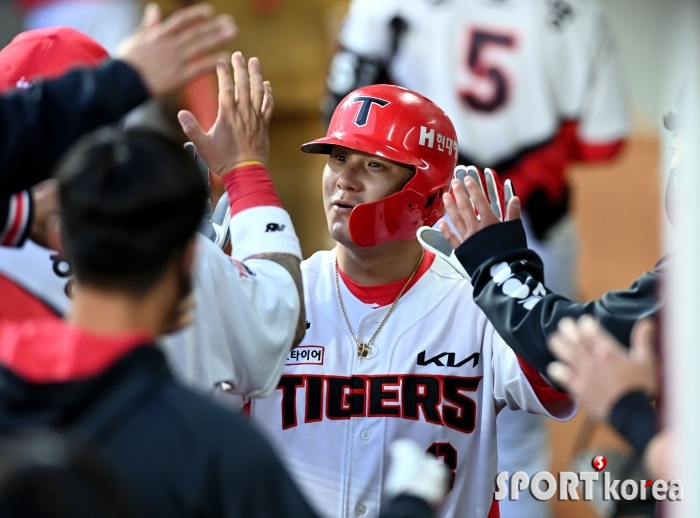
[
  {"x": 437, "y": 373},
  {"x": 515, "y": 76},
  {"x": 245, "y": 314}
]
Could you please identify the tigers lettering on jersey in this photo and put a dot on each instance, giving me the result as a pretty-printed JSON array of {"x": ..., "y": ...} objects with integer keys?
[{"x": 439, "y": 399}]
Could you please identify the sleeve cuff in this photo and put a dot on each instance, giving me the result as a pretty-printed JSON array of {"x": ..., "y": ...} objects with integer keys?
[
  {"x": 542, "y": 389},
  {"x": 263, "y": 230},
  {"x": 18, "y": 222},
  {"x": 635, "y": 419},
  {"x": 249, "y": 186},
  {"x": 490, "y": 242}
]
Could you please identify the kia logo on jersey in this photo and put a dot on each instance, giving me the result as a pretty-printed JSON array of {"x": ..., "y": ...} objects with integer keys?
[
  {"x": 367, "y": 103},
  {"x": 437, "y": 360}
]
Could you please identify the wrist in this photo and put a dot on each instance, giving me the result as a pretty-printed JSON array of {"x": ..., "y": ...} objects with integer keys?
[
  {"x": 238, "y": 162},
  {"x": 239, "y": 165}
]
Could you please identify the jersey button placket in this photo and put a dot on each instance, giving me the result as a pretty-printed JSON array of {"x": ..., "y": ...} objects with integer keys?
[{"x": 361, "y": 510}]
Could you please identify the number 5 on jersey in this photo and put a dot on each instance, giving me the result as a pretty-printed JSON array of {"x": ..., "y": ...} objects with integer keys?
[{"x": 488, "y": 87}]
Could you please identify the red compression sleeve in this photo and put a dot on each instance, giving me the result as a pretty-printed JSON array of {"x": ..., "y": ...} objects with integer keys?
[{"x": 249, "y": 185}]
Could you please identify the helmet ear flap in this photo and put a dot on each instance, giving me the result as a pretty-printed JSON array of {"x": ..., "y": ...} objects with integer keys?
[{"x": 434, "y": 207}]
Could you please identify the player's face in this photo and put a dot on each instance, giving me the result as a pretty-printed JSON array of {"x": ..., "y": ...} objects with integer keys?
[{"x": 352, "y": 177}]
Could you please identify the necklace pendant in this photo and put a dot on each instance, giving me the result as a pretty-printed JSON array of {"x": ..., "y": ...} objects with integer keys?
[{"x": 362, "y": 350}]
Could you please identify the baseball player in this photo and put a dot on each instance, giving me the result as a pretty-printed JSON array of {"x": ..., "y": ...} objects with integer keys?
[
  {"x": 395, "y": 346},
  {"x": 530, "y": 85}
]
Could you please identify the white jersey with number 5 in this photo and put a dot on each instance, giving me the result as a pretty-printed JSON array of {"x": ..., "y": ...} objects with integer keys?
[
  {"x": 437, "y": 373},
  {"x": 518, "y": 78},
  {"x": 511, "y": 68}
]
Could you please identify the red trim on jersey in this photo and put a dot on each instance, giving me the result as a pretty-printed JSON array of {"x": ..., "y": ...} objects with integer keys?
[
  {"x": 52, "y": 351},
  {"x": 544, "y": 392},
  {"x": 17, "y": 219},
  {"x": 17, "y": 304},
  {"x": 544, "y": 166},
  {"x": 590, "y": 152},
  {"x": 385, "y": 294},
  {"x": 250, "y": 186},
  {"x": 495, "y": 511},
  {"x": 246, "y": 411}
]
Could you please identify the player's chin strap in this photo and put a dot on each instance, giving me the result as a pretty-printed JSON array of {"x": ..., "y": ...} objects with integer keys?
[
  {"x": 499, "y": 196},
  {"x": 215, "y": 222}
]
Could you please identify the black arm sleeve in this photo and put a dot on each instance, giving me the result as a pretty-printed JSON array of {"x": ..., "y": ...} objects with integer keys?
[
  {"x": 634, "y": 418},
  {"x": 508, "y": 280},
  {"x": 39, "y": 124}
]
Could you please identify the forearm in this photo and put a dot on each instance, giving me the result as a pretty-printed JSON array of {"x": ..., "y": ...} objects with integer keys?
[
  {"x": 262, "y": 229},
  {"x": 292, "y": 265},
  {"x": 41, "y": 123},
  {"x": 509, "y": 286}
]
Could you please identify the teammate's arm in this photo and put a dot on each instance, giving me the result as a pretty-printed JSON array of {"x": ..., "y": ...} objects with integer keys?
[
  {"x": 237, "y": 148},
  {"x": 509, "y": 283},
  {"x": 292, "y": 264},
  {"x": 252, "y": 309},
  {"x": 39, "y": 124}
]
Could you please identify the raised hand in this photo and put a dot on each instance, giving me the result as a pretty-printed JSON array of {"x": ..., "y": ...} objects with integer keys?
[
  {"x": 471, "y": 209},
  {"x": 240, "y": 133},
  {"x": 169, "y": 54},
  {"x": 596, "y": 368}
]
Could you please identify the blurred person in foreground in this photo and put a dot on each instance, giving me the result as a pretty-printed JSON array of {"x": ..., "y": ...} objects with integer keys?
[
  {"x": 130, "y": 204},
  {"x": 106, "y": 21},
  {"x": 532, "y": 86}
]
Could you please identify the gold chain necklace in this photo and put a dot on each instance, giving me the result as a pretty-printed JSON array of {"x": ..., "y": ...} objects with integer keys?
[{"x": 364, "y": 347}]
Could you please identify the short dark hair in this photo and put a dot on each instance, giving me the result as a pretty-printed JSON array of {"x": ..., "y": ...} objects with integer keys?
[{"x": 129, "y": 201}]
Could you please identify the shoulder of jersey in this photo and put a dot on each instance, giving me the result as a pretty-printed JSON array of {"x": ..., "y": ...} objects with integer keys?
[{"x": 442, "y": 267}]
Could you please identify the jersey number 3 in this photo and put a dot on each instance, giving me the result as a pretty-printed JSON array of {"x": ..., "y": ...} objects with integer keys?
[
  {"x": 491, "y": 98},
  {"x": 448, "y": 454}
]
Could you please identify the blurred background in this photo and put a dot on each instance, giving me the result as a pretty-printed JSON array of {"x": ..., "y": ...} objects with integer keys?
[{"x": 616, "y": 206}]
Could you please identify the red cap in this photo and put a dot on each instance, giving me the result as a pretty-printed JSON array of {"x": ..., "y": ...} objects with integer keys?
[
  {"x": 403, "y": 126},
  {"x": 46, "y": 54}
]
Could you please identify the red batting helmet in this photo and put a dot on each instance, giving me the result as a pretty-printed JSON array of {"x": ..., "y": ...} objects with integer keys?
[
  {"x": 405, "y": 127},
  {"x": 46, "y": 54}
]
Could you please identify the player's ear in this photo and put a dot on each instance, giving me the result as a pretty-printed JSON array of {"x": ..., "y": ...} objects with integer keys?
[{"x": 54, "y": 234}]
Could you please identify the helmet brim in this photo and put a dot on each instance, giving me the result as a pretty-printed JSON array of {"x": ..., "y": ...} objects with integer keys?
[{"x": 322, "y": 146}]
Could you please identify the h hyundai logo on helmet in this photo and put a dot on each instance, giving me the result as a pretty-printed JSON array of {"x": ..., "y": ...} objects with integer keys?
[{"x": 367, "y": 103}]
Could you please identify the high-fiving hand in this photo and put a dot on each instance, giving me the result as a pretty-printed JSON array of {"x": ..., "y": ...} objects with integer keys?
[
  {"x": 240, "y": 133},
  {"x": 596, "y": 368},
  {"x": 168, "y": 54},
  {"x": 475, "y": 202}
]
